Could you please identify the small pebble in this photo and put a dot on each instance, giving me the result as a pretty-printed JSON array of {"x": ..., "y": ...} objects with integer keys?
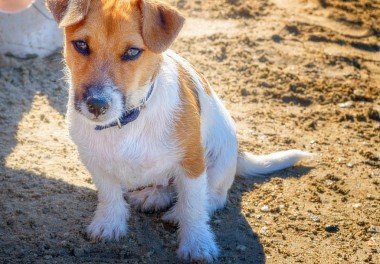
[
  {"x": 265, "y": 209},
  {"x": 356, "y": 205},
  {"x": 241, "y": 248},
  {"x": 78, "y": 252},
  {"x": 374, "y": 229},
  {"x": 350, "y": 165},
  {"x": 244, "y": 92},
  {"x": 264, "y": 230},
  {"x": 374, "y": 114},
  {"x": 217, "y": 221},
  {"x": 347, "y": 104},
  {"x": 332, "y": 228},
  {"x": 276, "y": 38},
  {"x": 263, "y": 59},
  {"x": 315, "y": 218}
]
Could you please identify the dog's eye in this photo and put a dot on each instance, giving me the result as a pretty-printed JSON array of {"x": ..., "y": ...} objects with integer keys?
[
  {"x": 131, "y": 54},
  {"x": 82, "y": 47}
]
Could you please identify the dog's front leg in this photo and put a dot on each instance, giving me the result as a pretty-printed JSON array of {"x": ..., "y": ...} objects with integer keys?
[
  {"x": 196, "y": 240},
  {"x": 112, "y": 212}
]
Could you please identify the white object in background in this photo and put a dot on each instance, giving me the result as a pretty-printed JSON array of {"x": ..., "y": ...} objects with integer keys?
[
  {"x": 14, "y": 6},
  {"x": 30, "y": 32}
]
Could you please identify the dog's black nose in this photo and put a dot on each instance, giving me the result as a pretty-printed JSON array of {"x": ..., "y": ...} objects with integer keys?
[{"x": 97, "y": 106}]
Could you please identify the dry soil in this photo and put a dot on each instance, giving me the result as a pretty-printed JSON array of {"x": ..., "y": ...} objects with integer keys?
[{"x": 294, "y": 74}]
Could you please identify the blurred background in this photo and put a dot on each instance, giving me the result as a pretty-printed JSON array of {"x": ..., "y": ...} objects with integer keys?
[
  {"x": 293, "y": 73},
  {"x": 27, "y": 29}
]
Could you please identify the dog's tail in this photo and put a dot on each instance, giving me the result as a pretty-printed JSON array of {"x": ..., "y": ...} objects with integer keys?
[{"x": 252, "y": 165}]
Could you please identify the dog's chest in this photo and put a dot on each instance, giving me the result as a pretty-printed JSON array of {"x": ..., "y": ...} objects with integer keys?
[{"x": 137, "y": 160}]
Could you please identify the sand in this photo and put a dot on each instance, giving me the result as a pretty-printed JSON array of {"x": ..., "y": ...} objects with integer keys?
[{"x": 294, "y": 74}]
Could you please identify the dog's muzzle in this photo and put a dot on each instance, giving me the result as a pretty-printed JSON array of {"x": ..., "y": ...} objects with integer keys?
[{"x": 97, "y": 101}]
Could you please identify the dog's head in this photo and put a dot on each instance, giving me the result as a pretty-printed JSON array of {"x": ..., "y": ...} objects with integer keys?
[{"x": 113, "y": 50}]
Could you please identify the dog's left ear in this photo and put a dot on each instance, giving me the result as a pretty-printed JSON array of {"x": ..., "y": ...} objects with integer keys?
[{"x": 160, "y": 24}]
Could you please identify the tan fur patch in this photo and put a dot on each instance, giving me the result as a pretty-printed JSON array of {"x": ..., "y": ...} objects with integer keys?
[
  {"x": 205, "y": 84},
  {"x": 188, "y": 126}
]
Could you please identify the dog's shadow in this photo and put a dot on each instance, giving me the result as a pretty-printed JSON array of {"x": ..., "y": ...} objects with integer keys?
[{"x": 44, "y": 220}]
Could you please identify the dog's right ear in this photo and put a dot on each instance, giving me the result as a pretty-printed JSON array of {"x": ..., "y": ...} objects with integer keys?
[{"x": 68, "y": 12}]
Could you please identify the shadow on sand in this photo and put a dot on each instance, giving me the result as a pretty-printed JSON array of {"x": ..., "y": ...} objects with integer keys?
[{"x": 43, "y": 220}]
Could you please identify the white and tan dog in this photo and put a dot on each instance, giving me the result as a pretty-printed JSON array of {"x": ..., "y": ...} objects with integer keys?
[{"x": 142, "y": 116}]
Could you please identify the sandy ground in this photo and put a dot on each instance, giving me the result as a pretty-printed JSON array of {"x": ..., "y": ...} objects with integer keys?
[{"x": 294, "y": 74}]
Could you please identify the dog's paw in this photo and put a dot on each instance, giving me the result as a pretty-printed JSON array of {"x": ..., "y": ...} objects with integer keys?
[
  {"x": 171, "y": 216},
  {"x": 151, "y": 199},
  {"x": 102, "y": 229},
  {"x": 200, "y": 248},
  {"x": 109, "y": 223}
]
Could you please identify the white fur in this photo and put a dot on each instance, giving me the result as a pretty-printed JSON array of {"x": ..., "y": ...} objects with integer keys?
[
  {"x": 112, "y": 213},
  {"x": 146, "y": 153},
  {"x": 196, "y": 240},
  {"x": 112, "y": 114},
  {"x": 253, "y": 165}
]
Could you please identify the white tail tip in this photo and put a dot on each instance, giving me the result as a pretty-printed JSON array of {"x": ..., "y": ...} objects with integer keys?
[{"x": 252, "y": 165}]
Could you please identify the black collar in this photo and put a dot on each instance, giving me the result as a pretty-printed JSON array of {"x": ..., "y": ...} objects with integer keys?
[{"x": 129, "y": 115}]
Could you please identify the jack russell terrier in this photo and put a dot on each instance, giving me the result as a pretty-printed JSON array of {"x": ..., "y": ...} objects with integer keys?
[{"x": 144, "y": 120}]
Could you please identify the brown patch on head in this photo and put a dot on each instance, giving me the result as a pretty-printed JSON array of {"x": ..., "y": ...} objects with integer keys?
[
  {"x": 110, "y": 28},
  {"x": 188, "y": 126}
]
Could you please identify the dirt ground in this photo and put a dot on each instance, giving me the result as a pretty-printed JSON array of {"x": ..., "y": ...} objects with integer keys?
[{"x": 294, "y": 74}]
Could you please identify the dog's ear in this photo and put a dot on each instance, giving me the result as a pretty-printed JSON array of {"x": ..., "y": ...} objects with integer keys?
[
  {"x": 68, "y": 12},
  {"x": 160, "y": 24}
]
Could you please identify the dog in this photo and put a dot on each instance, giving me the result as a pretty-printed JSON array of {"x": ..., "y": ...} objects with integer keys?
[{"x": 147, "y": 123}]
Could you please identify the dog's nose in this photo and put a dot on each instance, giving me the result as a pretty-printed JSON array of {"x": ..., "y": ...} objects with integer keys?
[{"x": 97, "y": 106}]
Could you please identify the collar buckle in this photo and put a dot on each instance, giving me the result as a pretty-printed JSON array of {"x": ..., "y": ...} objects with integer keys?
[{"x": 118, "y": 123}]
